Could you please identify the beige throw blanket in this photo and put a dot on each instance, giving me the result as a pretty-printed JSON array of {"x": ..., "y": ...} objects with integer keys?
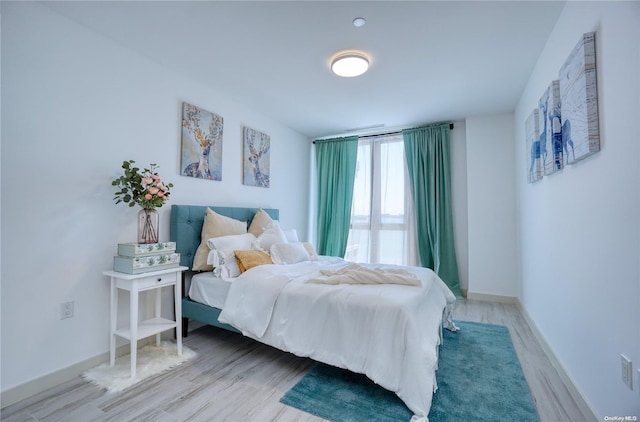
[{"x": 357, "y": 274}]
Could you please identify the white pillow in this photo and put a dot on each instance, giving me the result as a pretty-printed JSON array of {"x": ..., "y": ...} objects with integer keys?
[
  {"x": 214, "y": 225},
  {"x": 288, "y": 253},
  {"x": 227, "y": 267},
  {"x": 271, "y": 235},
  {"x": 291, "y": 235},
  {"x": 212, "y": 258},
  {"x": 222, "y": 257},
  {"x": 234, "y": 241},
  {"x": 313, "y": 255}
]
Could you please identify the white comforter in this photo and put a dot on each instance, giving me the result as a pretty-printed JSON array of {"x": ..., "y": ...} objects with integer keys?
[{"x": 389, "y": 332}]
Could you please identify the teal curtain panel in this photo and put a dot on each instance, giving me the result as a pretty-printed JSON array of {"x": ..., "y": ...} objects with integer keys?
[
  {"x": 336, "y": 169},
  {"x": 427, "y": 152}
]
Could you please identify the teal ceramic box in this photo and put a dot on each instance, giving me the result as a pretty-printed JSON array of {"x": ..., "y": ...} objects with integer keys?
[
  {"x": 135, "y": 249},
  {"x": 143, "y": 264}
]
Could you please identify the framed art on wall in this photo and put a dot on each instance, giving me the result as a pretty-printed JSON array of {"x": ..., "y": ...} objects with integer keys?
[
  {"x": 201, "y": 151},
  {"x": 256, "y": 166},
  {"x": 579, "y": 101},
  {"x": 532, "y": 137},
  {"x": 550, "y": 124}
]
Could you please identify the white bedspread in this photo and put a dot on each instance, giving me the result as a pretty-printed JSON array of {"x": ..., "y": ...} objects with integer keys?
[
  {"x": 358, "y": 274},
  {"x": 388, "y": 332}
]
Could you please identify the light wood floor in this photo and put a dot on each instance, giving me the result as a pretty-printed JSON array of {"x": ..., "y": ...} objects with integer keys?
[{"x": 237, "y": 379}]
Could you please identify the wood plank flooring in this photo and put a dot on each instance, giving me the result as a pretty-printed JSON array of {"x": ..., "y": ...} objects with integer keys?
[{"x": 238, "y": 379}]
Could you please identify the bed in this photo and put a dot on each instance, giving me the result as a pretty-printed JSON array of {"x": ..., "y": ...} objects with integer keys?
[
  {"x": 185, "y": 228},
  {"x": 389, "y": 332}
]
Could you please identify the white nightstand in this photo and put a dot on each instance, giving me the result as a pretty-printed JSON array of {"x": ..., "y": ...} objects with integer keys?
[{"x": 135, "y": 283}]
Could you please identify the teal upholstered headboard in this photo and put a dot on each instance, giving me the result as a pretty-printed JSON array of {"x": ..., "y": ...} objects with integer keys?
[{"x": 186, "y": 225}]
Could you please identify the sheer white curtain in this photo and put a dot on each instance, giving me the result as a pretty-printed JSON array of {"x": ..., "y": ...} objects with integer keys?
[{"x": 382, "y": 227}]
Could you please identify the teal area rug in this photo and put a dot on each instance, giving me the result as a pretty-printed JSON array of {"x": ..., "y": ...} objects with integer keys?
[{"x": 479, "y": 379}]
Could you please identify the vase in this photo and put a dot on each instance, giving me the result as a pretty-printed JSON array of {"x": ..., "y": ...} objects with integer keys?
[{"x": 148, "y": 223}]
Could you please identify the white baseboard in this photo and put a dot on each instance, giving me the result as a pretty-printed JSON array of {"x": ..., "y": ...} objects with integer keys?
[
  {"x": 45, "y": 382},
  {"x": 492, "y": 298},
  {"x": 587, "y": 411}
]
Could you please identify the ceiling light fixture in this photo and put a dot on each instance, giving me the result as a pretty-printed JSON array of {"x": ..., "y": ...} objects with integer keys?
[
  {"x": 358, "y": 22},
  {"x": 349, "y": 63}
]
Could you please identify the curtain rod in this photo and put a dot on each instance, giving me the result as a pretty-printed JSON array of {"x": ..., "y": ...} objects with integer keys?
[{"x": 373, "y": 135}]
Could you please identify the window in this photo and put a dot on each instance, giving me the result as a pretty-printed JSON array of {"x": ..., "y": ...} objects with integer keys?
[{"x": 381, "y": 211}]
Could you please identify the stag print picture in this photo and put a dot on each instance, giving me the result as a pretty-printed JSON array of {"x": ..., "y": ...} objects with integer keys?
[
  {"x": 201, "y": 143},
  {"x": 256, "y": 158},
  {"x": 550, "y": 124},
  {"x": 579, "y": 102},
  {"x": 532, "y": 135}
]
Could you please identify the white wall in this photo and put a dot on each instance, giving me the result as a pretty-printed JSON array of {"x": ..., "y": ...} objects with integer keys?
[
  {"x": 579, "y": 229},
  {"x": 491, "y": 202},
  {"x": 74, "y": 106}
]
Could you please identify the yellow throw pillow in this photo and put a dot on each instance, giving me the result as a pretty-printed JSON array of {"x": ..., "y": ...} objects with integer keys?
[
  {"x": 260, "y": 222},
  {"x": 250, "y": 259},
  {"x": 215, "y": 225}
]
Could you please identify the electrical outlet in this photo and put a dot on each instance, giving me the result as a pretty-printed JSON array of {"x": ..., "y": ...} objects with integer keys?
[
  {"x": 66, "y": 310},
  {"x": 627, "y": 371}
]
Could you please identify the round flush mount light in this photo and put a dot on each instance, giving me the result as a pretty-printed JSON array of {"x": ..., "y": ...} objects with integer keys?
[
  {"x": 358, "y": 22},
  {"x": 349, "y": 63}
]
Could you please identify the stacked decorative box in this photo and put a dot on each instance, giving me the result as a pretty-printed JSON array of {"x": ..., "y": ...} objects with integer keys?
[{"x": 136, "y": 258}]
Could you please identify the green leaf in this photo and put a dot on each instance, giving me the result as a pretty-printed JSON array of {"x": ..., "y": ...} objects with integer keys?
[{"x": 129, "y": 187}]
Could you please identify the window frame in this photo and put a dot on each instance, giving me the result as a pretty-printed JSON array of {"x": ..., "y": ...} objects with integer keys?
[{"x": 374, "y": 222}]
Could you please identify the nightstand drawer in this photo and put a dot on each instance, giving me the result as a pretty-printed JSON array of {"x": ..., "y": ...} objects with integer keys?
[{"x": 154, "y": 281}]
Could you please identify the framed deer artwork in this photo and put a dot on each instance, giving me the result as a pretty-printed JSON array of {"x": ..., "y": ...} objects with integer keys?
[
  {"x": 256, "y": 158},
  {"x": 579, "y": 101},
  {"x": 550, "y": 121},
  {"x": 564, "y": 129},
  {"x": 201, "y": 154},
  {"x": 532, "y": 137}
]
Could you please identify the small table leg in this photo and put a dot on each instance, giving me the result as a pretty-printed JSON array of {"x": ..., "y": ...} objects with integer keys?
[
  {"x": 158, "y": 294},
  {"x": 133, "y": 317},
  {"x": 114, "y": 316},
  {"x": 178, "y": 301}
]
